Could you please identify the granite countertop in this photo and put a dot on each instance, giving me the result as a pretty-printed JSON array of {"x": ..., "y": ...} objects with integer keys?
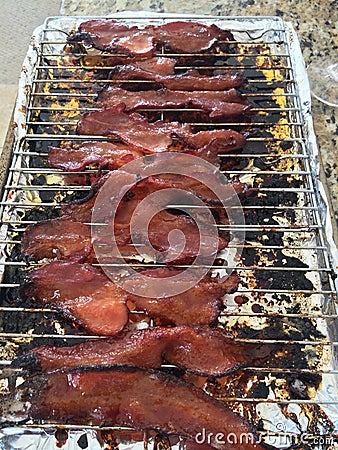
[{"x": 316, "y": 23}]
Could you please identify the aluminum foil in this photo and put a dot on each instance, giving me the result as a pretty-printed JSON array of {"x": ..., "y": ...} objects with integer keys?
[{"x": 26, "y": 438}]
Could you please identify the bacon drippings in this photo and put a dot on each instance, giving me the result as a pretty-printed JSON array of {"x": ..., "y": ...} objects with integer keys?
[
  {"x": 114, "y": 36},
  {"x": 205, "y": 351},
  {"x": 217, "y": 103},
  {"x": 143, "y": 399}
]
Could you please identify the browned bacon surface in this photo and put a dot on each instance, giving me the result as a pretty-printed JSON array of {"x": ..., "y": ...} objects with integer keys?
[
  {"x": 105, "y": 154},
  {"x": 132, "y": 129},
  {"x": 135, "y": 130},
  {"x": 202, "y": 350},
  {"x": 83, "y": 293},
  {"x": 72, "y": 158},
  {"x": 159, "y": 65},
  {"x": 197, "y": 184},
  {"x": 200, "y": 305},
  {"x": 82, "y": 210},
  {"x": 227, "y": 140},
  {"x": 65, "y": 237},
  {"x": 128, "y": 396},
  {"x": 61, "y": 238},
  {"x": 202, "y": 244},
  {"x": 114, "y": 36},
  {"x": 113, "y": 155},
  {"x": 187, "y": 81},
  {"x": 216, "y": 103}
]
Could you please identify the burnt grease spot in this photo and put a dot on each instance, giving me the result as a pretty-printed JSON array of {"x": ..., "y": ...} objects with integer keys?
[
  {"x": 83, "y": 441},
  {"x": 61, "y": 437}
]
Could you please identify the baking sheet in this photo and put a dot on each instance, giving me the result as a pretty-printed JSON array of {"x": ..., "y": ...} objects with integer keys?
[{"x": 274, "y": 420}]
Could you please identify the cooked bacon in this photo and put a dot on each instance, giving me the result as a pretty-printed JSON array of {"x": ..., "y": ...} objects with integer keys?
[
  {"x": 216, "y": 103},
  {"x": 84, "y": 293},
  {"x": 114, "y": 155},
  {"x": 199, "y": 305},
  {"x": 132, "y": 129},
  {"x": 194, "y": 184},
  {"x": 204, "y": 144},
  {"x": 204, "y": 245},
  {"x": 190, "y": 80},
  {"x": 61, "y": 238},
  {"x": 159, "y": 65},
  {"x": 202, "y": 350},
  {"x": 228, "y": 140},
  {"x": 114, "y": 36},
  {"x": 135, "y": 130},
  {"x": 189, "y": 37},
  {"x": 81, "y": 210},
  {"x": 105, "y": 154},
  {"x": 144, "y": 399}
]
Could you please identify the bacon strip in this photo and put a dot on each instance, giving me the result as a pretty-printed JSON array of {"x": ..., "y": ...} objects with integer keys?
[
  {"x": 205, "y": 351},
  {"x": 81, "y": 210},
  {"x": 46, "y": 239},
  {"x": 135, "y": 130},
  {"x": 216, "y": 103},
  {"x": 83, "y": 293},
  {"x": 204, "y": 245},
  {"x": 114, "y": 36},
  {"x": 64, "y": 239},
  {"x": 114, "y": 155},
  {"x": 199, "y": 305},
  {"x": 132, "y": 129},
  {"x": 191, "y": 184},
  {"x": 108, "y": 154},
  {"x": 143, "y": 399},
  {"x": 190, "y": 80},
  {"x": 160, "y": 65}
]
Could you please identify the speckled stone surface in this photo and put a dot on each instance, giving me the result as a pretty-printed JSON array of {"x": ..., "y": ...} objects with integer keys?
[{"x": 316, "y": 23}]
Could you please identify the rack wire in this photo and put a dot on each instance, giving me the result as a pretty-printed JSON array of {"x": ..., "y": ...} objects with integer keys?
[{"x": 61, "y": 90}]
